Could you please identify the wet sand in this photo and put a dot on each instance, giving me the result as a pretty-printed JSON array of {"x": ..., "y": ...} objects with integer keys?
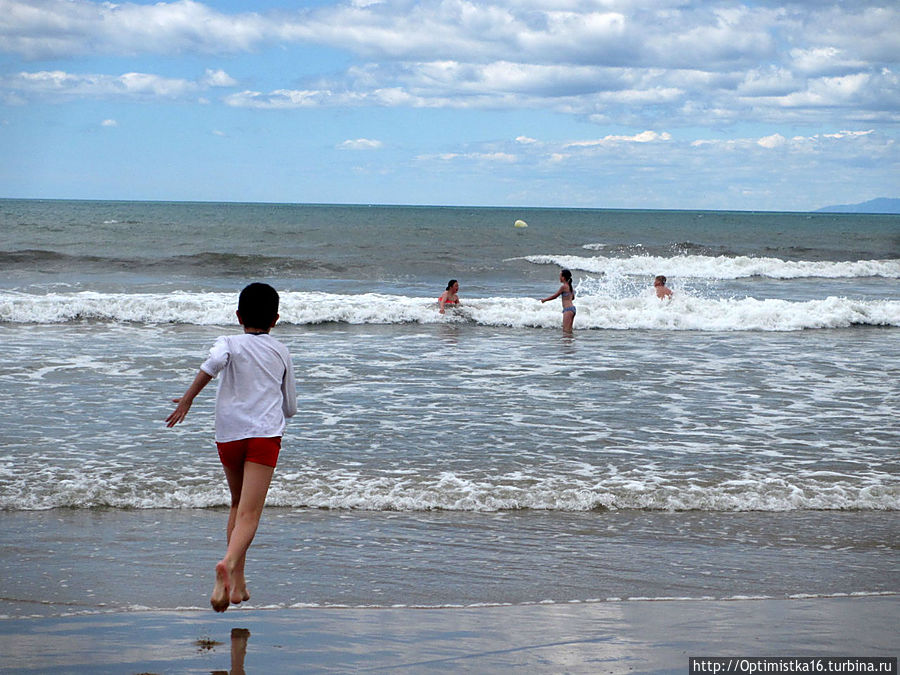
[
  {"x": 66, "y": 561},
  {"x": 608, "y": 637}
]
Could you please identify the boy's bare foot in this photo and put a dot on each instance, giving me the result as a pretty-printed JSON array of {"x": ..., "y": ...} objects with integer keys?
[
  {"x": 239, "y": 592},
  {"x": 222, "y": 590}
]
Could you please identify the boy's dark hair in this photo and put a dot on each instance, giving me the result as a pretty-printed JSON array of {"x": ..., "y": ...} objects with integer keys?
[{"x": 258, "y": 306}]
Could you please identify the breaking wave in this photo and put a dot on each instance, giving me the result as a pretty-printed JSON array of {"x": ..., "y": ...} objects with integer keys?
[
  {"x": 643, "y": 312},
  {"x": 448, "y": 491},
  {"x": 721, "y": 267}
]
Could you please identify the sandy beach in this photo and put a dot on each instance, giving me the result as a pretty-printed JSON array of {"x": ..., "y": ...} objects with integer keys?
[{"x": 609, "y": 637}]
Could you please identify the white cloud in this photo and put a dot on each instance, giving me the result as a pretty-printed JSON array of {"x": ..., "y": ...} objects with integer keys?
[
  {"x": 218, "y": 78},
  {"x": 502, "y": 157},
  {"x": 768, "y": 81},
  {"x": 467, "y": 86},
  {"x": 818, "y": 61},
  {"x": 499, "y": 157},
  {"x": 63, "y": 28},
  {"x": 654, "y": 146},
  {"x": 361, "y": 144},
  {"x": 109, "y": 123},
  {"x": 848, "y": 134},
  {"x": 60, "y": 85},
  {"x": 845, "y": 91},
  {"x": 864, "y": 141},
  {"x": 691, "y": 63},
  {"x": 773, "y": 141},
  {"x": 283, "y": 99},
  {"x": 643, "y": 137},
  {"x": 279, "y": 99},
  {"x": 860, "y": 30}
]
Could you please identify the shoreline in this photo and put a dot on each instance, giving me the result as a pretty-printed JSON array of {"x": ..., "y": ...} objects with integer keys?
[{"x": 611, "y": 637}]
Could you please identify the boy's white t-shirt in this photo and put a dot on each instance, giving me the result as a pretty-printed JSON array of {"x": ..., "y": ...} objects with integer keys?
[{"x": 257, "y": 390}]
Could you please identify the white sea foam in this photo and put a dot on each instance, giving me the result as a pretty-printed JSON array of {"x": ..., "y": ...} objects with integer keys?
[
  {"x": 614, "y": 600},
  {"x": 645, "y": 312},
  {"x": 447, "y": 491},
  {"x": 722, "y": 267}
]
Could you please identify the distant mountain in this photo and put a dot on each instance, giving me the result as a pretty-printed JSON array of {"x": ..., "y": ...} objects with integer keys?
[{"x": 881, "y": 205}]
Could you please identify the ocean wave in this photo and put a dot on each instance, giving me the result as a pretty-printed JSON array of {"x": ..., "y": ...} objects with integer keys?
[
  {"x": 722, "y": 267},
  {"x": 71, "y": 609},
  {"x": 343, "y": 490},
  {"x": 221, "y": 264},
  {"x": 642, "y": 312}
]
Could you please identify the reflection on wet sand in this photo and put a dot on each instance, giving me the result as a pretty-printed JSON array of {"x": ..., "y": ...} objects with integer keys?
[{"x": 239, "y": 637}]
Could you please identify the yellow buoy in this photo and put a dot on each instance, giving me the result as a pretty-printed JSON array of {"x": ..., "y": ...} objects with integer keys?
[{"x": 520, "y": 223}]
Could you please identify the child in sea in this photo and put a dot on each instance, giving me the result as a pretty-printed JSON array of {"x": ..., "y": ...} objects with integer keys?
[
  {"x": 449, "y": 296},
  {"x": 567, "y": 294},
  {"x": 256, "y": 394},
  {"x": 662, "y": 291}
]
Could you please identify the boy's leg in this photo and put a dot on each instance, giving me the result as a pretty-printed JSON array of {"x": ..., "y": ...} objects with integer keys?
[
  {"x": 221, "y": 595},
  {"x": 252, "y": 498},
  {"x": 235, "y": 478}
]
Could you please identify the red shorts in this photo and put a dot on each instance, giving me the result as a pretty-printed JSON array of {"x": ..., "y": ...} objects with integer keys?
[{"x": 260, "y": 450}]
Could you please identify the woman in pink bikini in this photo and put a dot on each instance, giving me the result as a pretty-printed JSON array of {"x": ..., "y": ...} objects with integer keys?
[{"x": 449, "y": 297}]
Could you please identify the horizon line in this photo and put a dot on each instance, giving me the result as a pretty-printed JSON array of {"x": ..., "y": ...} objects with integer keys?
[{"x": 821, "y": 210}]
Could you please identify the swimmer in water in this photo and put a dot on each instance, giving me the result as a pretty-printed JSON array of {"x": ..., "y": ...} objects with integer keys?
[
  {"x": 662, "y": 291},
  {"x": 567, "y": 294},
  {"x": 449, "y": 296}
]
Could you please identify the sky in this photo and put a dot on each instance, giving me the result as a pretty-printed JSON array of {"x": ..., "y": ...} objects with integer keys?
[{"x": 657, "y": 104}]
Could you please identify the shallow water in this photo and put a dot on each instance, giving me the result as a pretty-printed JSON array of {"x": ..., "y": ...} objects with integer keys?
[{"x": 467, "y": 418}]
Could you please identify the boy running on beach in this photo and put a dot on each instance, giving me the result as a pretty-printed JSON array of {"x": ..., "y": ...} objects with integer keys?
[{"x": 256, "y": 394}]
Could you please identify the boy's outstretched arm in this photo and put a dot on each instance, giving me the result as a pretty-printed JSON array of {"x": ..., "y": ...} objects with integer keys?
[{"x": 184, "y": 403}]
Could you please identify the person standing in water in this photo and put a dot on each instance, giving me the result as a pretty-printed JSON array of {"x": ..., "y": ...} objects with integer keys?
[
  {"x": 449, "y": 296},
  {"x": 257, "y": 392},
  {"x": 567, "y": 293},
  {"x": 662, "y": 291}
]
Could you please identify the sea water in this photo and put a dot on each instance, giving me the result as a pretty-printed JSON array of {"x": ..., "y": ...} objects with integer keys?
[{"x": 737, "y": 440}]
